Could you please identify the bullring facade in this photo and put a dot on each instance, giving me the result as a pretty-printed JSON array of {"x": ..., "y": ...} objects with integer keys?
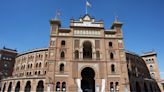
[{"x": 85, "y": 57}]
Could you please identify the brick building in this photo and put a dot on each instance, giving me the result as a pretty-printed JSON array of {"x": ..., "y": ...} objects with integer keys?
[
  {"x": 85, "y": 57},
  {"x": 7, "y": 60}
]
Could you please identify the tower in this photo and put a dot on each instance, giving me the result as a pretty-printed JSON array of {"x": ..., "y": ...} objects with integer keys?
[
  {"x": 150, "y": 59},
  {"x": 52, "y": 53}
]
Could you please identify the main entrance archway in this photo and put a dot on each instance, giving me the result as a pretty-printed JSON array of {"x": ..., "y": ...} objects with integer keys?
[{"x": 88, "y": 82}]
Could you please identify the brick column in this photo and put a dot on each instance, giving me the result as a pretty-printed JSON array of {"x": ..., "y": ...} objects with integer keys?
[
  {"x": 22, "y": 86},
  {"x": 33, "y": 86}
]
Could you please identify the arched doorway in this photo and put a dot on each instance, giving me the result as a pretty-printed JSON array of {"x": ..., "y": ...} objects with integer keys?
[
  {"x": 145, "y": 87},
  {"x": 17, "y": 88},
  {"x": 87, "y": 50},
  {"x": 151, "y": 88},
  {"x": 138, "y": 88},
  {"x": 4, "y": 86},
  {"x": 88, "y": 82},
  {"x": 10, "y": 86},
  {"x": 40, "y": 87},
  {"x": 28, "y": 87}
]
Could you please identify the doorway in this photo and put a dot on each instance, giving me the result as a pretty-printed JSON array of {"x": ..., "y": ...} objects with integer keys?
[{"x": 88, "y": 82}]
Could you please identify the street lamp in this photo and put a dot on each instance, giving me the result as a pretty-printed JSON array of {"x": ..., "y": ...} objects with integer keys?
[
  {"x": 49, "y": 82},
  {"x": 126, "y": 85}
]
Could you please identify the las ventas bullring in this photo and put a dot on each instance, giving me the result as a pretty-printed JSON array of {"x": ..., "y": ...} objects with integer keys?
[{"x": 85, "y": 57}]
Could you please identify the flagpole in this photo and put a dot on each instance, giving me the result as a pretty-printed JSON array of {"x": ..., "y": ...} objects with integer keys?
[
  {"x": 86, "y": 9},
  {"x": 87, "y": 6}
]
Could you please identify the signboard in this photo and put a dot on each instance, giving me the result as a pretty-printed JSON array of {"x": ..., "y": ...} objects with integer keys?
[{"x": 87, "y": 24}]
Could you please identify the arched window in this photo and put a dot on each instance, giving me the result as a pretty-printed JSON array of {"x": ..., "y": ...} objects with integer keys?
[
  {"x": 113, "y": 68},
  {"x": 87, "y": 50},
  {"x": 58, "y": 86},
  {"x": 152, "y": 75},
  {"x": 40, "y": 87},
  {"x": 4, "y": 87},
  {"x": 151, "y": 68},
  {"x": 111, "y": 56},
  {"x": 62, "y": 67},
  {"x": 111, "y": 87},
  {"x": 17, "y": 88},
  {"x": 46, "y": 64},
  {"x": 35, "y": 72},
  {"x": 41, "y": 56},
  {"x": 62, "y": 43},
  {"x": 28, "y": 66},
  {"x": 10, "y": 86},
  {"x": 62, "y": 55},
  {"x": 63, "y": 86},
  {"x": 40, "y": 64},
  {"x": 52, "y": 43},
  {"x": 110, "y": 44},
  {"x": 97, "y": 55},
  {"x": 36, "y": 65},
  {"x": 76, "y": 54},
  {"x": 152, "y": 60},
  {"x": 39, "y": 73},
  {"x": 116, "y": 87},
  {"x": 31, "y": 65}
]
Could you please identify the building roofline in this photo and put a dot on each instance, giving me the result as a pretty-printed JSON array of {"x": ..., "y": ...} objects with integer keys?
[
  {"x": 151, "y": 53},
  {"x": 9, "y": 50},
  {"x": 130, "y": 52},
  {"x": 32, "y": 51}
]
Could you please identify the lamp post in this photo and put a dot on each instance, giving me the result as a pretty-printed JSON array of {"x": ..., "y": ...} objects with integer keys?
[
  {"x": 126, "y": 85},
  {"x": 49, "y": 85}
]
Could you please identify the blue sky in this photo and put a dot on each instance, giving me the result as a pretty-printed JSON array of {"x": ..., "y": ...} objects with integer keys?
[{"x": 24, "y": 24}]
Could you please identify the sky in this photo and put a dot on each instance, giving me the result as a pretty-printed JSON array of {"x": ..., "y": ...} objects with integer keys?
[{"x": 24, "y": 24}]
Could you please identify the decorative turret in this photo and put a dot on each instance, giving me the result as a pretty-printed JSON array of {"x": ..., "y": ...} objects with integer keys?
[
  {"x": 116, "y": 23},
  {"x": 117, "y": 26},
  {"x": 55, "y": 24}
]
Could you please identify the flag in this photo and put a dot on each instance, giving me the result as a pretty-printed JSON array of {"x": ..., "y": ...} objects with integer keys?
[
  {"x": 88, "y": 4},
  {"x": 58, "y": 13}
]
